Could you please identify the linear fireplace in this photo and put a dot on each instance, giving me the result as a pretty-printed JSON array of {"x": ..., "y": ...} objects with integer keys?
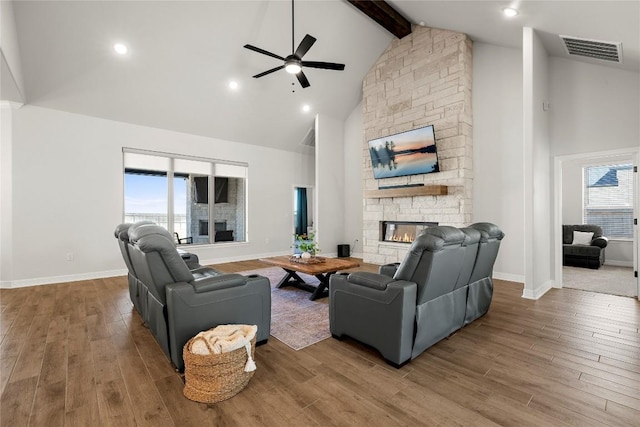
[{"x": 402, "y": 231}]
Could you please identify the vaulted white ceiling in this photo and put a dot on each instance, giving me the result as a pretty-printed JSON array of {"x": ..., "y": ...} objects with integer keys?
[{"x": 183, "y": 54}]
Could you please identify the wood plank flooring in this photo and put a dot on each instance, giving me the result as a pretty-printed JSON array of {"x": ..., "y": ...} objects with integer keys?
[{"x": 78, "y": 354}]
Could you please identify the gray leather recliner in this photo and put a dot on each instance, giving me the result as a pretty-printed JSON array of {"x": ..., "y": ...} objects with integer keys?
[
  {"x": 415, "y": 304},
  {"x": 135, "y": 291},
  {"x": 177, "y": 302},
  {"x": 481, "y": 282}
]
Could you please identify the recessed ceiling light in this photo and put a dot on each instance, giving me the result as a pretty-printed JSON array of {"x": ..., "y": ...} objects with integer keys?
[
  {"x": 306, "y": 108},
  {"x": 509, "y": 12},
  {"x": 121, "y": 49},
  {"x": 233, "y": 85}
]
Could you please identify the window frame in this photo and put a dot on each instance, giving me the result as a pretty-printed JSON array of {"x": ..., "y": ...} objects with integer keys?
[
  {"x": 620, "y": 161},
  {"x": 170, "y": 174}
]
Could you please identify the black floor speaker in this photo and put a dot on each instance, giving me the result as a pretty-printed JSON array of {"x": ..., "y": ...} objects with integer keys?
[{"x": 344, "y": 251}]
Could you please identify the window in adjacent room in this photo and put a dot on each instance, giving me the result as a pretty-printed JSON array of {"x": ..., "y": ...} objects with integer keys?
[
  {"x": 608, "y": 199},
  {"x": 199, "y": 201}
]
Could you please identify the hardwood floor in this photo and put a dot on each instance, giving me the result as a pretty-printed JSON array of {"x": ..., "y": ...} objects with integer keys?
[{"x": 78, "y": 354}]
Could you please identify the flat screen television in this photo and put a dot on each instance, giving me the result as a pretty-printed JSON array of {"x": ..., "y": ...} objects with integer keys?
[
  {"x": 202, "y": 189},
  {"x": 407, "y": 153}
]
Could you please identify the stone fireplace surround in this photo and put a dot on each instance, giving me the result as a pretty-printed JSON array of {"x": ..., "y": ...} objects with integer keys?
[{"x": 422, "y": 79}]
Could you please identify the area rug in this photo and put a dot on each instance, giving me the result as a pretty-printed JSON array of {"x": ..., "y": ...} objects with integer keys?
[
  {"x": 295, "y": 320},
  {"x": 607, "y": 280}
]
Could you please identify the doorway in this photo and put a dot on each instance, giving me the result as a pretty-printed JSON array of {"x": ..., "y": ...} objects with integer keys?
[
  {"x": 602, "y": 189},
  {"x": 303, "y": 214}
]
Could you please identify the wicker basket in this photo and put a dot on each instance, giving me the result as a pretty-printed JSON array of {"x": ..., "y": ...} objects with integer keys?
[{"x": 215, "y": 377}]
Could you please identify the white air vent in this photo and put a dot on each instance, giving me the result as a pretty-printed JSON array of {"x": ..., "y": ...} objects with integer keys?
[
  {"x": 605, "y": 51},
  {"x": 309, "y": 139}
]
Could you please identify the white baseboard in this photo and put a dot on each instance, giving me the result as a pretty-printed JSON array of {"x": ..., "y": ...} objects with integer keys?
[
  {"x": 538, "y": 293},
  {"x": 615, "y": 263},
  {"x": 61, "y": 279}
]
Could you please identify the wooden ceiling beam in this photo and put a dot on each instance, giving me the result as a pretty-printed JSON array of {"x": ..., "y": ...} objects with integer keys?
[{"x": 385, "y": 15}]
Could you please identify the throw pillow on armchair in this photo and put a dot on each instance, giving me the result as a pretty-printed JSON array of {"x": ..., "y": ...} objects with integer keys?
[{"x": 582, "y": 238}]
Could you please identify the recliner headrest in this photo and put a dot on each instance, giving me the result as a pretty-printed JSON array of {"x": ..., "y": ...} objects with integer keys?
[
  {"x": 435, "y": 238},
  {"x": 150, "y": 237},
  {"x": 122, "y": 231},
  {"x": 488, "y": 231},
  {"x": 472, "y": 236}
]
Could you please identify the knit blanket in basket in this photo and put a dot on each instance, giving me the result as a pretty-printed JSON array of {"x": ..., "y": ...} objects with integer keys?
[{"x": 226, "y": 338}]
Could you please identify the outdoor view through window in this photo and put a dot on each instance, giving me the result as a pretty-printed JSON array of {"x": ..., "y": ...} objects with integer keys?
[
  {"x": 608, "y": 199},
  {"x": 199, "y": 201}
]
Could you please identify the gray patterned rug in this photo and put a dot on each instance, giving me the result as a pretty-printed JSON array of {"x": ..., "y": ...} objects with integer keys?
[{"x": 295, "y": 320}]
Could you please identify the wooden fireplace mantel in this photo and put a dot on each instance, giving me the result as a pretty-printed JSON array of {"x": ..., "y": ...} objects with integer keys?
[{"x": 426, "y": 190}]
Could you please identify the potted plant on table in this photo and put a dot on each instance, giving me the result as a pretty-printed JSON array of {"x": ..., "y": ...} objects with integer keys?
[{"x": 306, "y": 244}]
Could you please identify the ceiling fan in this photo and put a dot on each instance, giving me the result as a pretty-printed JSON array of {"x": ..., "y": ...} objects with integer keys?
[{"x": 293, "y": 63}]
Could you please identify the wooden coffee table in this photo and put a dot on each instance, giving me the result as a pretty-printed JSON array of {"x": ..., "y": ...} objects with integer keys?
[{"x": 322, "y": 271}]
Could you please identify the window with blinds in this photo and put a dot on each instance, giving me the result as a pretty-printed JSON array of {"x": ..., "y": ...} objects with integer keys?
[{"x": 608, "y": 199}]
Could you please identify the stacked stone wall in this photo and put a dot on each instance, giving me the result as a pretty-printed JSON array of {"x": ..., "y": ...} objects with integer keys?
[{"x": 420, "y": 80}]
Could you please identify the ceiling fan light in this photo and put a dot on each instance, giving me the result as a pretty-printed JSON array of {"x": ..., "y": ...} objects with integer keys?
[
  {"x": 510, "y": 12},
  {"x": 293, "y": 68}
]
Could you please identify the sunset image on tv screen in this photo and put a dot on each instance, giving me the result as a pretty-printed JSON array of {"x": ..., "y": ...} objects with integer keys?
[{"x": 407, "y": 153}]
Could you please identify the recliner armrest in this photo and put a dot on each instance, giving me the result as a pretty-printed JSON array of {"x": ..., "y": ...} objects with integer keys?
[
  {"x": 389, "y": 269},
  {"x": 601, "y": 242},
  {"x": 214, "y": 283},
  {"x": 384, "y": 319},
  {"x": 369, "y": 280},
  {"x": 189, "y": 312}
]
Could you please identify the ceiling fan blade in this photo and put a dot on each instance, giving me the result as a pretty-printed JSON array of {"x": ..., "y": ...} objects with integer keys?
[
  {"x": 303, "y": 80},
  {"x": 264, "y": 52},
  {"x": 324, "y": 65},
  {"x": 268, "y": 72},
  {"x": 305, "y": 45}
]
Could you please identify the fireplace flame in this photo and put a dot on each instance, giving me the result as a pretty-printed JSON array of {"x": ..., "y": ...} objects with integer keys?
[
  {"x": 407, "y": 238},
  {"x": 402, "y": 232}
]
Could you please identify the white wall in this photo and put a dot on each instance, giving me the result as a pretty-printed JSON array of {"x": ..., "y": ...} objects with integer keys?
[
  {"x": 594, "y": 108},
  {"x": 498, "y": 151},
  {"x": 619, "y": 253},
  {"x": 6, "y": 194},
  {"x": 12, "y": 81},
  {"x": 572, "y": 192},
  {"x": 537, "y": 170},
  {"x": 353, "y": 158},
  {"x": 68, "y": 193},
  {"x": 329, "y": 183}
]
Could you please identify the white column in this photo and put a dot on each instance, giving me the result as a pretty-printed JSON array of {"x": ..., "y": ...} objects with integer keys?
[
  {"x": 6, "y": 196},
  {"x": 329, "y": 203},
  {"x": 538, "y": 249}
]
